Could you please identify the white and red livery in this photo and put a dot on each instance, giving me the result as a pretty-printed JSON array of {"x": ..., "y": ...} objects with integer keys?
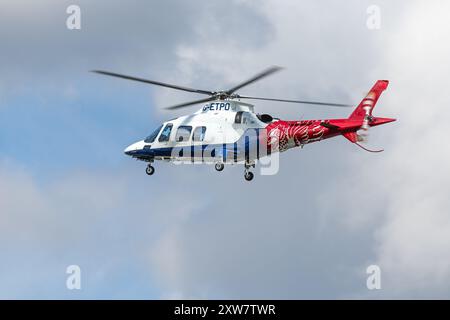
[{"x": 228, "y": 131}]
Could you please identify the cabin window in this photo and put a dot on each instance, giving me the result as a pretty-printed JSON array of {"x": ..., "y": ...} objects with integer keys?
[
  {"x": 153, "y": 135},
  {"x": 165, "y": 134},
  {"x": 247, "y": 118},
  {"x": 199, "y": 134},
  {"x": 183, "y": 133},
  {"x": 238, "y": 118}
]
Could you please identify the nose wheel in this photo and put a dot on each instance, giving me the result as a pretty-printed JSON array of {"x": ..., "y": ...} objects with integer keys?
[
  {"x": 150, "y": 170},
  {"x": 219, "y": 166}
]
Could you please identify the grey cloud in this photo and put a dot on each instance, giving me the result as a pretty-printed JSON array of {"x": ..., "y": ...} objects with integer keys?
[
  {"x": 360, "y": 211},
  {"x": 91, "y": 219},
  {"x": 266, "y": 240},
  {"x": 137, "y": 37}
]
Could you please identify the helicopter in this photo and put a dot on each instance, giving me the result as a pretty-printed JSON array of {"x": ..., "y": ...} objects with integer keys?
[{"x": 226, "y": 130}]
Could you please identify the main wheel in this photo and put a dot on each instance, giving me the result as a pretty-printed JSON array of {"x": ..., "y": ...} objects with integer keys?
[
  {"x": 219, "y": 166},
  {"x": 150, "y": 170},
  {"x": 248, "y": 176}
]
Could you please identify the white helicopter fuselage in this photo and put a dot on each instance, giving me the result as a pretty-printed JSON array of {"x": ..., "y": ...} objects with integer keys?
[{"x": 217, "y": 126}]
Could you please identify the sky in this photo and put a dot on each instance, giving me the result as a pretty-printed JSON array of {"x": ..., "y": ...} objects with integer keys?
[{"x": 69, "y": 196}]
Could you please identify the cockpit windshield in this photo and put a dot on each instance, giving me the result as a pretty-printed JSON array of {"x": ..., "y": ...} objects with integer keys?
[{"x": 153, "y": 135}]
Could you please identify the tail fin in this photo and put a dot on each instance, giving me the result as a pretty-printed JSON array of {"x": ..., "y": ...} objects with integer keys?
[
  {"x": 368, "y": 103},
  {"x": 363, "y": 118}
]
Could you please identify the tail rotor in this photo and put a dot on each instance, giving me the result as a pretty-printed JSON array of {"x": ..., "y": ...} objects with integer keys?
[{"x": 363, "y": 113}]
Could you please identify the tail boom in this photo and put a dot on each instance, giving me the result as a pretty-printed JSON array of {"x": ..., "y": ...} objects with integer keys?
[{"x": 283, "y": 135}]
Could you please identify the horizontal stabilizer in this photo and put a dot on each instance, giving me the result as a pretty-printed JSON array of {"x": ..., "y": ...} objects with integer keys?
[{"x": 351, "y": 136}]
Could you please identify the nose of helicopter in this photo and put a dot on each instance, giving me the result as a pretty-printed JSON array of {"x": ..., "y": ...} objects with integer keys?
[
  {"x": 128, "y": 150},
  {"x": 132, "y": 148}
]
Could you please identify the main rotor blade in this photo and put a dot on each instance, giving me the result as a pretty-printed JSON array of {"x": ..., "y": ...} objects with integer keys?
[
  {"x": 186, "y": 104},
  {"x": 259, "y": 76},
  {"x": 299, "y": 101},
  {"x": 162, "y": 84}
]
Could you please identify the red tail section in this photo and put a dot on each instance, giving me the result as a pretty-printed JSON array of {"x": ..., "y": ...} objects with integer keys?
[
  {"x": 368, "y": 103},
  {"x": 361, "y": 117},
  {"x": 283, "y": 135}
]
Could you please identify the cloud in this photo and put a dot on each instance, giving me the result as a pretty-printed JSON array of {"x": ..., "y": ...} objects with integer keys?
[
  {"x": 40, "y": 52},
  {"x": 391, "y": 204},
  {"x": 403, "y": 192},
  {"x": 272, "y": 239},
  {"x": 413, "y": 242},
  {"x": 89, "y": 218}
]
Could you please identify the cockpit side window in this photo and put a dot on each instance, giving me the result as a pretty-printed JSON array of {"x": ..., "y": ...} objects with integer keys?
[
  {"x": 153, "y": 135},
  {"x": 199, "y": 134},
  {"x": 165, "y": 134}
]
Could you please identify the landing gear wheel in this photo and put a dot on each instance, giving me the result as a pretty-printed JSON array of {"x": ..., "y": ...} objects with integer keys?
[
  {"x": 248, "y": 176},
  {"x": 150, "y": 170},
  {"x": 219, "y": 166}
]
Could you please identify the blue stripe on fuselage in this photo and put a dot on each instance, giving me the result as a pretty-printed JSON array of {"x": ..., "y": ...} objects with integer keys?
[{"x": 232, "y": 151}]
